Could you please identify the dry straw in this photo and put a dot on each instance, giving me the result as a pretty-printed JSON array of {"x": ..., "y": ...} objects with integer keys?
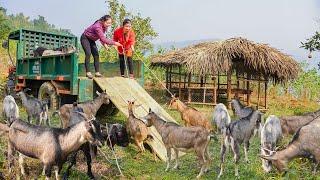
[{"x": 259, "y": 60}]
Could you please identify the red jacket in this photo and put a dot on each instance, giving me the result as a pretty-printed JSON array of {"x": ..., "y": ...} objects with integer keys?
[{"x": 127, "y": 40}]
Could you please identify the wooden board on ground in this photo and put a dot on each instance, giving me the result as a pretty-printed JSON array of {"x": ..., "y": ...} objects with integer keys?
[{"x": 121, "y": 90}]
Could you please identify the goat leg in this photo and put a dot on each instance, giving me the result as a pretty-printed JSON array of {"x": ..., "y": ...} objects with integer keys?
[
  {"x": 89, "y": 160},
  {"x": 29, "y": 118},
  {"x": 57, "y": 172},
  {"x": 222, "y": 157},
  {"x": 236, "y": 153},
  {"x": 176, "y": 152},
  {"x": 21, "y": 164},
  {"x": 11, "y": 152},
  {"x": 200, "y": 154},
  {"x": 315, "y": 167},
  {"x": 47, "y": 171},
  {"x": 73, "y": 160},
  {"x": 246, "y": 148},
  {"x": 168, "y": 158}
]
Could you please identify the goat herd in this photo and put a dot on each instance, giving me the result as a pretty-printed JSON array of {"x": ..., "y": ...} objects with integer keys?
[{"x": 81, "y": 131}]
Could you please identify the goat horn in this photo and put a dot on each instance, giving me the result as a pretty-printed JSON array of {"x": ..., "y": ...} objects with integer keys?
[
  {"x": 98, "y": 93},
  {"x": 269, "y": 150},
  {"x": 269, "y": 158}
]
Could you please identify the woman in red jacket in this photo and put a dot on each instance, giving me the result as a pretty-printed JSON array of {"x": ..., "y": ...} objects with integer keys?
[
  {"x": 96, "y": 31},
  {"x": 126, "y": 37}
]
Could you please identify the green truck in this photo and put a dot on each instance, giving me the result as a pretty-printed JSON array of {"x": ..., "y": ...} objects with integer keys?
[{"x": 59, "y": 78}]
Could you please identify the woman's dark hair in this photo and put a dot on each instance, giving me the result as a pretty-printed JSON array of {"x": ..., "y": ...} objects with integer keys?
[
  {"x": 104, "y": 18},
  {"x": 126, "y": 21}
]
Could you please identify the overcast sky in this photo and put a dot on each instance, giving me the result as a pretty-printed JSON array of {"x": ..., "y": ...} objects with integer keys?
[{"x": 281, "y": 23}]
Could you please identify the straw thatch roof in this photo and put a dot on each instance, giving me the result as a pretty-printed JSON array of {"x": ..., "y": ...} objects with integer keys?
[{"x": 235, "y": 53}]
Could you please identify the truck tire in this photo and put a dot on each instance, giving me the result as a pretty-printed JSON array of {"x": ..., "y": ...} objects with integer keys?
[{"x": 48, "y": 91}]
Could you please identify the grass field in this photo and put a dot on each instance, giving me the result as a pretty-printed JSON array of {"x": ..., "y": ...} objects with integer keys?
[{"x": 143, "y": 166}]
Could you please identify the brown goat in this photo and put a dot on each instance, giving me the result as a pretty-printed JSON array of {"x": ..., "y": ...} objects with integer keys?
[
  {"x": 136, "y": 128},
  {"x": 90, "y": 108},
  {"x": 50, "y": 145},
  {"x": 291, "y": 124},
  {"x": 183, "y": 139},
  {"x": 305, "y": 143},
  {"x": 189, "y": 115}
]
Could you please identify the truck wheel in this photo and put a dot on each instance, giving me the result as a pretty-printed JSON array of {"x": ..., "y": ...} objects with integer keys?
[{"x": 48, "y": 91}]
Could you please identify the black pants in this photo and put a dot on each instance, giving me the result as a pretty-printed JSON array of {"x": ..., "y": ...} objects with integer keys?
[
  {"x": 90, "y": 47},
  {"x": 122, "y": 64}
]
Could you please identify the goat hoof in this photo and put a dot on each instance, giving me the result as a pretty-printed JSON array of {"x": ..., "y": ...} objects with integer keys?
[{"x": 176, "y": 167}]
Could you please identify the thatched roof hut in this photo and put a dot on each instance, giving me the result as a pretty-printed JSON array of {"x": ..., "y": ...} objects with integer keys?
[
  {"x": 235, "y": 53},
  {"x": 201, "y": 69}
]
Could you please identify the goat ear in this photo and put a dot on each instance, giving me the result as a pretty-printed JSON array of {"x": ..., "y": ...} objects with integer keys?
[
  {"x": 97, "y": 92},
  {"x": 150, "y": 110}
]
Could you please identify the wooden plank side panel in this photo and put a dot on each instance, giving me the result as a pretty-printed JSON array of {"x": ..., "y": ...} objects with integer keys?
[{"x": 123, "y": 89}]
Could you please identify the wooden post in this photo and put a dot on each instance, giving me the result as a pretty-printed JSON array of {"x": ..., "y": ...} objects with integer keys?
[
  {"x": 238, "y": 85},
  {"x": 265, "y": 93},
  {"x": 218, "y": 81},
  {"x": 248, "y": 90},
  {"x": 167, "y": 77},
  {"x": 180, "y": 82},
  {"x": 258, "y": 103},
  {"x": 214, "y": 95},
  {"x": 185, "y": 80},
  {"x": 229, "y": 73},
  {"x": 170, "y": 75},
  {"x": 189, "y": 90}
]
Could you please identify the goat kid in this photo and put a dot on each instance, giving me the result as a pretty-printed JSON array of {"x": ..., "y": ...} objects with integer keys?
[
  {"x": 305, "y": 143},
  {"x": 189, "y": 115},
  {"x": 136, "y": 128},
  {"x": 238, "y": 132},
  {"x": 183, "y": 139},
  {"x": 50, "y": 145},
  {"x": 271, "y": 134},
  {"x": 35, "y": 108},
  {"x": 10, "y": 109}
]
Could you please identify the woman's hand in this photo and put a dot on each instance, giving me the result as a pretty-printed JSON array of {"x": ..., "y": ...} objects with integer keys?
[
  {"x": 117, "y": 44},
  {"x": 106, "y": 46}
]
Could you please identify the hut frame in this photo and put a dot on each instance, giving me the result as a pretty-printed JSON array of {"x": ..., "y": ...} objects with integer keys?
[{"x": 235, "y": 68}]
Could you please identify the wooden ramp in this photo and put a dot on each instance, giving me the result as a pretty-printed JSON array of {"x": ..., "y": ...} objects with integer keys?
[{"x": 121, "y": 90}]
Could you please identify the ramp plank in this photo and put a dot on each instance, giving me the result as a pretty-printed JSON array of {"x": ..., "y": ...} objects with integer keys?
[{"x": 121, "y": 90}]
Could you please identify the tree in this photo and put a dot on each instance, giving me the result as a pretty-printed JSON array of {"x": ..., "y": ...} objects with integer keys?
[
  {"x": 313, "y": 43},
  {"x": 141, "y": 26},
  {"x": 4, "y": 24}
]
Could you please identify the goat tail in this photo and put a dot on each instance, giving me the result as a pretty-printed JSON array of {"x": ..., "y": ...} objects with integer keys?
[
  {"x": 227, "y": 136},
  {"x": 4, "y": 127}
]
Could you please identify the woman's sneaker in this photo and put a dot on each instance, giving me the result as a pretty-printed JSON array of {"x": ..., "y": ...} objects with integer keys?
[
  {"x": 98, "y": 74},
  {"x": 131, "y": 76},
  {"x": 89, "y": 75}
]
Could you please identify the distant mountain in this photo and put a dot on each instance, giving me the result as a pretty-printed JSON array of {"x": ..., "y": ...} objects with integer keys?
[{"x": 181, "y": 44}]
